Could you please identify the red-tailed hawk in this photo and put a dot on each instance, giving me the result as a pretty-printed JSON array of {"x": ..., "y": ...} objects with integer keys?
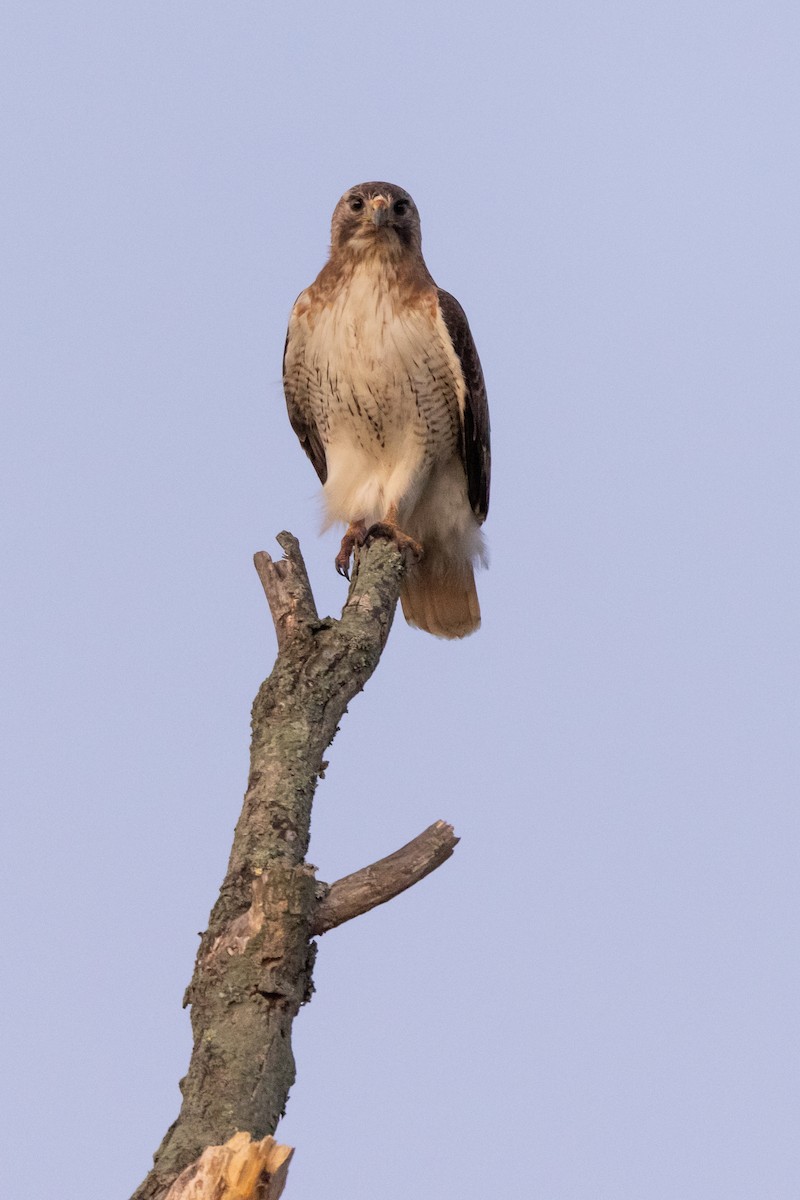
[{"x": 385, "y": 391}]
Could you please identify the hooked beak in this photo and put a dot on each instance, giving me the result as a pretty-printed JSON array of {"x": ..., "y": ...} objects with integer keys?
[{"x": 380, "y": 210}]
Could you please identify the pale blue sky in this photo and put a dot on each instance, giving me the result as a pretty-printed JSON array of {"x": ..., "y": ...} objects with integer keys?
[{"x": 597, "y": 997}]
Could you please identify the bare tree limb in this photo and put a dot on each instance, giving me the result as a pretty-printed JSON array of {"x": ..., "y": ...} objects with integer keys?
[
  {"x": 383, "y": 880},
  {"x": 255, "y": 960}
]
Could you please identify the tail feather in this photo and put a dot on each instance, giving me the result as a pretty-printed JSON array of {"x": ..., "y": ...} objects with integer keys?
[{"x": 442, "y": 602}]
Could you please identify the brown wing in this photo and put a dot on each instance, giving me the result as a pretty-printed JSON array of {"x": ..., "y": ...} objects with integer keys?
[
  {"x": 475, "y": 441},
  {"x": 301, "y": 419}
]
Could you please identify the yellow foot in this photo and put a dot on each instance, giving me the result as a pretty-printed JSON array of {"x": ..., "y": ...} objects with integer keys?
[
  {"x": 355, "y": 536},
  {"x": 388, "y": 529}
]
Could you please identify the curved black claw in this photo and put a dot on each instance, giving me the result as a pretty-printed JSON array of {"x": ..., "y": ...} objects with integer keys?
[
  {"x": 343, "y": 565},
  {"x": 353, "y": 537}
]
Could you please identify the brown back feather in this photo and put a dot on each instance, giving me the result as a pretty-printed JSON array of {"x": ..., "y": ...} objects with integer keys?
[{"x": 475, "y": 432}]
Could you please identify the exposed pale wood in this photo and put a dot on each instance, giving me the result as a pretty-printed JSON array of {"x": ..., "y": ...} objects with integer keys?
[
  {"x": 381, "y": 881},
  {"x": 240, "y": 1170}
]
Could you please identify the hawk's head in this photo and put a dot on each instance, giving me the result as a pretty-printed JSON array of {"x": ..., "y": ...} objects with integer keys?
[{"x": 376, "y": 215}]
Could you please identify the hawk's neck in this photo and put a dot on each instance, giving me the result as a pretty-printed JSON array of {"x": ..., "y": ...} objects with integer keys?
[{"x": 403, "y": 272}]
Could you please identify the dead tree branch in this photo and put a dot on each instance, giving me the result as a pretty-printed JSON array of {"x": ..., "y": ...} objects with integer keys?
[
  {"x": 385, "y": 879},
  {"x": 255, "y": 960}
]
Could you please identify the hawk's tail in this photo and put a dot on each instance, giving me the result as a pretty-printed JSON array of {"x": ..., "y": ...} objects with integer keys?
[{"x": 441, "y": 599}]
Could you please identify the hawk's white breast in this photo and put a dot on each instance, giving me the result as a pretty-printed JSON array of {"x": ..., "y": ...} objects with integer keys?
[{"x": 384, "y": 387}]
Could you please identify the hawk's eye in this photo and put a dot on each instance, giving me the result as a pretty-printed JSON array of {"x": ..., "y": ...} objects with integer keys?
[
  {"x": 400, "y": 207},
  {"x": 356, "y": 204}
]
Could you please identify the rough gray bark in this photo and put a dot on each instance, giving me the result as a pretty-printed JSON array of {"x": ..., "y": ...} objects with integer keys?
[{"x": 255, "y": 960}]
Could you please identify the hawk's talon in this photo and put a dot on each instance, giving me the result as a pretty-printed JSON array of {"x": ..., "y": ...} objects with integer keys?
[
  {"x": 355, "y": 536},
  {"x": 390, "y": 531}
]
